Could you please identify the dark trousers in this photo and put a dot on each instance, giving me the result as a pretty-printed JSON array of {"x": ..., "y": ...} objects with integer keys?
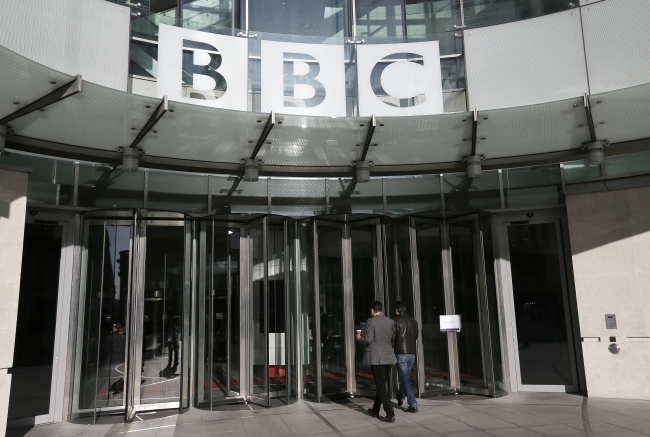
[{"x": 382, "y": 375}]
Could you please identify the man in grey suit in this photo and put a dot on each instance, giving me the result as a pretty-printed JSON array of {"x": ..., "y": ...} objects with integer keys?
[{"x": 379, "y": 354}]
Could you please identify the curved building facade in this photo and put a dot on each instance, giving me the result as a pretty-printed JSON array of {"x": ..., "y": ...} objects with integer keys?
[{"x": 201, "y": 199}]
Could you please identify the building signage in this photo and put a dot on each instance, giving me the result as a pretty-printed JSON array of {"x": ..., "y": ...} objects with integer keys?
[
  {"x": 295, "y": 78},
  {"x": 450, "y": 323}
]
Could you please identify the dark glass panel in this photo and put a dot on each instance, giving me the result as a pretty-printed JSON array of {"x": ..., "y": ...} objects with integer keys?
[
  {"x": 544, "y": 351},
  {"x": 332, "y": 312},
  {"x": 465, "y": 277},
  {"x": 31, "y": 374},
  {"x": 432, "y": 304}
]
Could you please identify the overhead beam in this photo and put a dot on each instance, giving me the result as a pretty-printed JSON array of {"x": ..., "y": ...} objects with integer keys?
[
  {"x": 474, "y": 130},
  {"x": 371, "y": 130},
  {"x": 67, "y": 90},
  {"x": 162, "y": 108},
  {"x": 270, "y": 123},
  {"x": 590, "y": 119}
]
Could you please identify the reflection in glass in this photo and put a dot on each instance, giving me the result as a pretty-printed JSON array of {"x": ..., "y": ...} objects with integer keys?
[
  {"x": 364, "y": 279},
  {"x": 276, "y": 308},
  {"x": 332, "y": 312},
  {"x": 321, "y": 18},
  {"x": 163, "y": 309},
  {"x": 379, "y": 18},
  {"x": 432, "y": 304},
  {"x": 540, "y": 312},
  {"x": 466, "y": 295},
  {"x": 259, "y": 323},
  {"x": 31, "y": 374},
  {"x": 100, "y": 364},
  {"x": 307, "y": 320}
]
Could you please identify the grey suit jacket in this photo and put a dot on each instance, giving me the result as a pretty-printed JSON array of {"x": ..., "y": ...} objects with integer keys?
[{"x": 380, "y": 333}]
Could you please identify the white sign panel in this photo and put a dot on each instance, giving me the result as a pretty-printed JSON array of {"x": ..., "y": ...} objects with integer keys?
[
  {"x": 213, "y": 68},
  {"x": 399, "y": 79},
  {"x": 450, "y": 323},
  {"x": 304, "y": 79}
]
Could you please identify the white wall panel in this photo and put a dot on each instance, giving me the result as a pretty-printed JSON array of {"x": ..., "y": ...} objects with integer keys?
[
  {"x": 526, "y": 62},
  {"x": 88, "y": 37},
  {"x": 617, "y": 38}
]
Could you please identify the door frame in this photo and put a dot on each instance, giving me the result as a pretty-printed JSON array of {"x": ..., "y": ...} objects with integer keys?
[
  {"x": 506, "y": 300},
  {"x": 60, "y": 358},
  {"x": 136, "y": 298}
]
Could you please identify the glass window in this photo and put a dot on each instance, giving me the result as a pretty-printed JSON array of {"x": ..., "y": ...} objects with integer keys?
[
  {"x": 181, "y": 192},
  {"x": 627, "y": 164},
  {"x": 531, "y": 186},
  {"x": 410, "y": 194},
  {"x": 323, "y": 18},
  {"x": 479, "y": 13},
  {"x": 347, "y": 196},
  {"x": 50, "y": 181},
  {"x": 579, "y": 170},
  {"x": 379, "y": 18},
  {"x": 216, "y": 16},
  {"x": 102, "y": 187},
  {"x": 462, "y": 192},
  {"x": 297, "y": 197}
]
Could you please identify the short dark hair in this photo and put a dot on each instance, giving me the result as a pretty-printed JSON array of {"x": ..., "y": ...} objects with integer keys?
[
  {"x": 376, "y": 305},
  {"x": 400, "y": 307}
]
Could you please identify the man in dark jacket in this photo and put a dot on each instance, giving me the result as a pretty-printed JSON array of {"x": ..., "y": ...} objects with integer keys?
[
  {"x": 379, "y": 340},
  {"x": 406, "y": 334}
]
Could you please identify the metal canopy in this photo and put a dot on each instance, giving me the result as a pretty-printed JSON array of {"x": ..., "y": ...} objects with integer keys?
[{"x": 98, "y": 121}]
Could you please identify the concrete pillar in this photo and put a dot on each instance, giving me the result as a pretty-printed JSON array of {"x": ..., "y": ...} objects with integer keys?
[
  {"x": 13, "y": 202},
  {"x": 610, "y": 245}
]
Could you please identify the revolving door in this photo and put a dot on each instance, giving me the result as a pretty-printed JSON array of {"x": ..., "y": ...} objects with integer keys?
[
  {"x": 434, "y": 265},
  {"x": 132, "y": 348},
  {"x": 245, "y": 315}
]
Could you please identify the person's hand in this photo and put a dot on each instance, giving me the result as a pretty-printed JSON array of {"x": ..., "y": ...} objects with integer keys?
[{"x": 358, "y": 336}]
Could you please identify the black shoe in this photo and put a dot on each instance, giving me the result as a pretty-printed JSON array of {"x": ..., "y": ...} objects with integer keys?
[
  {"x": 410, "y": 409},
  {"x": 399, "y": 403},
  {"x": 390, "y": 419},
  {"x": 373, "y": 413}
]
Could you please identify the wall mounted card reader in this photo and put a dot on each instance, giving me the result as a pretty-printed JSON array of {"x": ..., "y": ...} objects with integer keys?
[{"x": 610, "y": 321}]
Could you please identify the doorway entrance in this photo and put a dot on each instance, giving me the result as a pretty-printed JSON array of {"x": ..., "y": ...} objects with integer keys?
[
  {"x": 245, "y": 315},
  {"x": 40, "y": 352},
  {"x": 434, "y": 265},
  {"x": 538, "y": 303},
  {"x": 133, "y": 332}
]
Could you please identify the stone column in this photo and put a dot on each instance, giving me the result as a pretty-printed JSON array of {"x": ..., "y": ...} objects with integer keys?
[
  {"x": 610, "y": 245},
  {"x": 13, "y": 202}
]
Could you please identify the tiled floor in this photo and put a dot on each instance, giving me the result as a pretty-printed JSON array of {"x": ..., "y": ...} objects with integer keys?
[{"x": 516, "y": 415}]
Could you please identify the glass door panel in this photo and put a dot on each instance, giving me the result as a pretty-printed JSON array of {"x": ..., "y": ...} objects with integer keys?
[
  {"x": 545, "y": 355},
  {"x": 308, "y": 343},
  {"x": 259, "y": 303},
  {"x": 332, "y": 311},
  {"x": 435, "y": 348},
  {"x": 277, "y": 333},
  {"x": 467, "y": 297},
  {"x": 163, "y": 310},
  {"x": 102, "y": 333},
  {"x": 366, "y": 288}
]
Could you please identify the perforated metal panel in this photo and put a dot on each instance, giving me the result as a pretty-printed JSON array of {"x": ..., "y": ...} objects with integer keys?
[
  {"x": 525, "y": 62},
  {"x": 98, "y": 117},
  {"x": 302, "y": 140},
  {"x": 617, "y": 38},
  {"x": 622, "y": 115},
  {"x": 549, "y": 127},
  {"x": 23, "y": 81},
  {"x": 89, "y": 37},
  {"x": 417, "y": 140}
]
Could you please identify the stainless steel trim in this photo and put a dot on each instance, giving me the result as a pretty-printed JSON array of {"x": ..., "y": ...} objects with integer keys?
[
  {"x": 501, "y": 192},
  {"x": 75, "y": 192},
  {"x": 327, "y": 196},
  {"x": 348, "y": 302},
  {"x": 316, "y": 334},
  {"x": 417, "y": 303},
  {"x": 383, "y": 195},
  {"x": 145, "y": 191},
  {"x": 442, "y": 192}
]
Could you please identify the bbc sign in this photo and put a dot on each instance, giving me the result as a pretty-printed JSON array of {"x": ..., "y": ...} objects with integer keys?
[{"x": 296, "y": 78}]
